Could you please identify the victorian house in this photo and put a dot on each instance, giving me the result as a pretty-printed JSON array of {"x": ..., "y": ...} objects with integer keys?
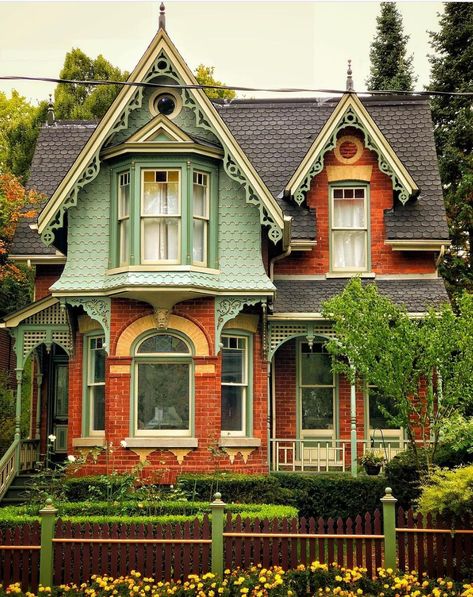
[{"x": 182, "y": 258}]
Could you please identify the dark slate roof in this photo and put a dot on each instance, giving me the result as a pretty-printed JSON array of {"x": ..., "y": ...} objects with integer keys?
[
  {"x": 276, "y": 135},
  {"x": 306, "y": 296},
  {"x": 56, "y": 149}
]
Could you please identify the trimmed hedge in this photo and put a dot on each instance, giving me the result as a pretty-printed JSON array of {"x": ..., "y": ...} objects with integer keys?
[
  {"x": 331, "y": 494},
  {"x": 138, "y": 512}
]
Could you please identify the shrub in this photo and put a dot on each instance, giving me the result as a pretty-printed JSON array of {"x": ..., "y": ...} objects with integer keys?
[
  {"x": 138, "y": 512},
  {"x": 449, "y": 493},
  {"x": 334, "y": 494},
  {"x": 403, "y": 476}
]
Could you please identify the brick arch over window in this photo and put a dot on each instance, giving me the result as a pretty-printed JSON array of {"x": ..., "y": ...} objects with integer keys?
[{"x": 148, "y": 323}]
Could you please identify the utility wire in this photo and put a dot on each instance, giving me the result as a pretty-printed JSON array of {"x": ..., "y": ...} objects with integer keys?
[{"x": 235, "y": 88}]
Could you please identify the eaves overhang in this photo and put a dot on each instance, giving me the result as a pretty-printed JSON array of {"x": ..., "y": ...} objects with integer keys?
[
  {"x": 12, "y": 320},
  {"x": 418, "y": 245},
  {"x": 350, "y": 112},
  {"x": 162, "y": 148}
]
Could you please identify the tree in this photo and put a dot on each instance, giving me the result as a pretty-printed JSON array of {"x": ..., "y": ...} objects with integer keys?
[
  {"x": 424, "y": 367},
  {"x": 15, "y": 281},
  {"x": 391, "y": 68},
  {"x": 77, "y": 101},
  {"x": 452, "y": 70},
  {"x": 205, "y": 76},
  {"x": 19, "y": 127}
]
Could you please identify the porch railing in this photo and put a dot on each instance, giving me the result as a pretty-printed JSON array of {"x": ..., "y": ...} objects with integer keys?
[
  {"x": 309, "y": 455},
  {"x": 20, "y": 456}
]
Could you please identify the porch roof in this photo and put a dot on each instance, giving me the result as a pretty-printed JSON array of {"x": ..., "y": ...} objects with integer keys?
[{"x": 296, "y": 295}]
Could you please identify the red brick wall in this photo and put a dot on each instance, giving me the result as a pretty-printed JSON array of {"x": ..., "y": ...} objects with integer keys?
[
  {"x": 7, "y": 356},
  {"x": 383, "y": 259},
  {"x": 45, "y": 277},
  {"x": 207, "y": 397}
]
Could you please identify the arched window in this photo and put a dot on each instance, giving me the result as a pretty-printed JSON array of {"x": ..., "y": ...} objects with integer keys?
[{"x": 163, "y": 386}]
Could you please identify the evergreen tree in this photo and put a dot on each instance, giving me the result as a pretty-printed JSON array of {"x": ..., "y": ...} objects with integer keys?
[
  {"x": 452, "y": 70},
  {"x": 390, "y": 67}
]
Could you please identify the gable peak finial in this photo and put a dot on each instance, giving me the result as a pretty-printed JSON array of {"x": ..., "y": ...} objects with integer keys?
[
  {"x": 162, "y": 16},
  {"x": 50, "y": 118},
  {"x": 349, "y": 86}
]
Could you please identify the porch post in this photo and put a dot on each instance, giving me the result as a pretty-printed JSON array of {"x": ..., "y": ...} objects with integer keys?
[
  {"x": 19, "y": 380},
  {"x": 353, "y": 442},
  {"x": 39, "y": 385}
]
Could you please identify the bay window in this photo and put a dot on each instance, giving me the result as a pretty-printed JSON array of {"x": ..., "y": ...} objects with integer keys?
[
  {"x": 349, "y": 228},
  {"x": 162, "y": 386},
  {"x": 164, "y": 215}
]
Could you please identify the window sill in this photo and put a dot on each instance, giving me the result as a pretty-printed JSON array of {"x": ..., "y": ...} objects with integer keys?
[
  {"x": 88, "y": 442},
  {"x": 239, "y": 442},
  {"x": 350, "y": 275},
  {"x": 161, "y": 442},
  {"x": 172, "y": 267}
]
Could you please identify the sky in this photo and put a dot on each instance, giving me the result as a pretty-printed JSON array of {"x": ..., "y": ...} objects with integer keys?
[{"x": 267, "y": 44}]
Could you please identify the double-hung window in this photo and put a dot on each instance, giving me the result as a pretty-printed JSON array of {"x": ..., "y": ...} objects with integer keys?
[
  {"x": 124, "y": 217},
  {"x": 235, "y": 385},
  {"x": 200, "y": 217},
  {"x": 349, "y": 228},
  {"x": 160, "y": 216},
  {"x": 95, "y": 372}
]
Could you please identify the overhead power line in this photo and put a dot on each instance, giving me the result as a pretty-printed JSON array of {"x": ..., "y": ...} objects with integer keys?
[{"x": 235, "y": 87}]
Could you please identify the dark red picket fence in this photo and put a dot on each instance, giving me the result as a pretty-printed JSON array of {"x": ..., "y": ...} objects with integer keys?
[
  {"x": 163, "y": 551},
  {"x": 19, "y": 555},
  {"x": 429, "y": 545},
  {"x": 288, "y": 543}
]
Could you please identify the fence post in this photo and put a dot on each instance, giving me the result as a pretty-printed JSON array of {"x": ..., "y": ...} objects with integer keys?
[
  {"x": 389, "y": 528},
  {"x": 48, "y": 522},
  {"x": 217, "y": 507}
]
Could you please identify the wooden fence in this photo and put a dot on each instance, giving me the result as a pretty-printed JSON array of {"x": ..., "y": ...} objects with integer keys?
[{"x": 57, "y": 552}]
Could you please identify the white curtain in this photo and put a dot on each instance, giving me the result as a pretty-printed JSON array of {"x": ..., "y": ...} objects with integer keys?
[
  {"x": 349, "y": 246},
  {"x": 160, "y": 234}
]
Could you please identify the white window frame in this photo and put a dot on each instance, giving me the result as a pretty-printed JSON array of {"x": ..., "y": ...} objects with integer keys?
[
  {"x": 334, "y": 228},
  {"x": 144, "y": 216},
  {"x": 205, "y": 219},
  {"x": 91, "y": 385},
  {"x": 124, "y": 220},
  {"x": 162, "y": 358},
  {"x": 244, "y": 384}
]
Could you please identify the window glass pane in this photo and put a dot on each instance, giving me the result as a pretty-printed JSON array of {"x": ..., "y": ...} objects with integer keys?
[
  {"x": 124, "y": 241},
  {"x": 124, "y": 201},
  {"x": 232, "y": 408},
  {"x": 233, "y": 365},
  {"x": 163, "y": 344},
  {"x": 348, "y": 193},
  {"x": 98, "y": 360},
  {"x": 349, "y": 249},
  {"x": 378, "y": 419},
  {"x": 198, "y": 240},
  {"x": 61, "y": 391},
  {"x": 160, "y": 239},
  {"x": 338, "y": 193},
  {"x": 160, "y": 199},
  {"x": 317, "y": 408},
  {"x": 349, "y": 213},
  {"x": 98, "y": 398},
  {"x": 315, "y": 367},
  {"x": 163, "y": 396},
  {"x": 200, "y": 201}
]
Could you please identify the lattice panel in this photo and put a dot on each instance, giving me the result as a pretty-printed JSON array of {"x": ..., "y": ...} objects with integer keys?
[
  {"x": 281, "y": 332},
  {"x": 31, "y": 340},
  {"x": 53, "y": 315},
  {"x": 64, "y": 339}
]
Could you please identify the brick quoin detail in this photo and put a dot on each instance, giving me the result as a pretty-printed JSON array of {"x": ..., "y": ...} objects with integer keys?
[
  {"x": 207, "y": 397},
  {"x": 383, "y": 259}
]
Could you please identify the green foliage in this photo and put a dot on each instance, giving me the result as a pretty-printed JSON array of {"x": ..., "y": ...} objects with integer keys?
[
  {"x": 132, "y": 512},
  {"x": 7, "y": 412},
  {"x": 19, "y": 128},
  {"x": 403, "y": 475},
  {"x": 452, "y": 70},
  {"x": 16, "y": 291},
  {"x": 425, "y": 367},
  {"x": 391, "y": 68},
  {"x": 335, "y": 494},
  {"x": 76, "y": 101},
  {"x": 457, "y": 433},
  {"x": 449, "y": 493},
  {"x": 205, "y": 76}
]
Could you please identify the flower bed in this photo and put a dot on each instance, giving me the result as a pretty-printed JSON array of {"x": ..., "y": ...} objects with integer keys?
[{"x": 316, "y": 579}]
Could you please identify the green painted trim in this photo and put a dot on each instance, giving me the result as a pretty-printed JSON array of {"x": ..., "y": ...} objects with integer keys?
[
  {"x": 250, "y": 347},
  {"x": 86, "y": 431},
  {"x": 389, "y": 529},
  {"x": 46, "y": 554},
  {"x": 348, "y": 184},
  {"x": 172, "y": 359},
  {"x": 135, "y": 215}
]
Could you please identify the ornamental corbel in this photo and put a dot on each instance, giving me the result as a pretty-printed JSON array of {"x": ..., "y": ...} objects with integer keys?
[
  {"x": 227, "y": 308},
  {"x": 161, "y": 318},
  {"x": 98, "y": 308}
]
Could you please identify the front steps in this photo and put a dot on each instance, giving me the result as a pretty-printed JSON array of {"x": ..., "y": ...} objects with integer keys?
[{"x": 16, "y": 493}]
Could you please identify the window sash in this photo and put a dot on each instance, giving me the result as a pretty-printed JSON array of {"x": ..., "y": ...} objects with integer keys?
[
  {"x": 94, "y": 347},
  {"x": 200, "y": 217},
  {"x": 240, "y": 346},
  {"x": 349, "y": 242},
  {"x": 123, "y": 217}
]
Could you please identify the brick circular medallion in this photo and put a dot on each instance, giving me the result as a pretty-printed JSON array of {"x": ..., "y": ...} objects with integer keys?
[{"x": 348, "y": 149}]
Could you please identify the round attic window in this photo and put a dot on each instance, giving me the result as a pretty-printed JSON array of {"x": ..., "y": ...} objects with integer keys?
[
  {"x": 349, "y": 149},
  {"x": 166, "y": 102}
]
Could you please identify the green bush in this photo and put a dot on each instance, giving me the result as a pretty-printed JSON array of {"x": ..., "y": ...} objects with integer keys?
[
  {"x": 334, "y": 494},
  {"x": 98, "y": 487},
  {"x": 131, "y": 512},
  {"x": 402, "y": 475},
  {"x": 449, "y": 494}
]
